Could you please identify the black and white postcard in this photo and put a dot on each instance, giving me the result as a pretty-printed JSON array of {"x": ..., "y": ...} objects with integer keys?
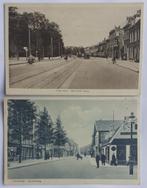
[
  {"x": 71, "y": 140},
  {"x": 73, "y": 49}
]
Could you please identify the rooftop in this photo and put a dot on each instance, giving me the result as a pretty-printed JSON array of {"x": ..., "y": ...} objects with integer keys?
[{"x": 107, "y": 125}]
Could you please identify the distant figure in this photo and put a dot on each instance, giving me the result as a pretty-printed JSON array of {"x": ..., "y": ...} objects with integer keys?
[
  {"x": 79, "y": 156},
  {"x": 106, "y": 56},
  {"x": 103, "y": 159},
  {"x": 97, "y": 160},
  {"x": 39, "y": 56},
  {"x": 113, "y": 161},
  {"x": 85, "y": 154},
  {"x": 113, "y": 59},
  {"x": 66, "y": 57}
]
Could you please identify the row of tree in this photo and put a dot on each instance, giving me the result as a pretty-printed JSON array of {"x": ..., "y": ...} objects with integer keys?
[
  {"x": 34, "y": 33},
  {"x": 73, "y": 50},
  {"x": 25, "y": 123}
]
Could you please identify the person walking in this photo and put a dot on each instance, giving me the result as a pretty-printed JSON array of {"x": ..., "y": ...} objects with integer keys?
[
  {"x": 97, "y": 160},
  {"x": 103, "y": 159},
  {"x": 114, "y": 57},
  {"x": 113, "y": 161}
]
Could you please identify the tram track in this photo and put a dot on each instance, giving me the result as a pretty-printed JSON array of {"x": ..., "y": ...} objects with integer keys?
[
  {"x": 36, "y": 74},
  {"x": 51, "y": 78}
]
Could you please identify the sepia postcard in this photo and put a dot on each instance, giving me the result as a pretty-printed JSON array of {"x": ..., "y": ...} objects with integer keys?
[
  {"x": 73, "y": 49},
  {"x": 71, "y": 140}
]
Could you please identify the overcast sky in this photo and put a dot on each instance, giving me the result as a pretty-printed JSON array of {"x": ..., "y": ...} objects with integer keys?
[
  {"x": 78, "y": 116},
  {"x": 84, "y": 24}
]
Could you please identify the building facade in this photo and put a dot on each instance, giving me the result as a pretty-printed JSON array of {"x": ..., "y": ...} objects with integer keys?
[
  {"x": 118, "y": 141},
  {"x": 102, "y": 49},
  {"x": 103, "y": 129},
  {"x": 134, "y": 41},
  {"x": 123, "y": 42}
]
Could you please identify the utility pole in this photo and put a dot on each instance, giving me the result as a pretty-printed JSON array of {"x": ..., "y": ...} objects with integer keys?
[
  {"x": 52, "y": 48},
  {"x": 113, "y": 120},
  {"x": 29, "y": 39},
  {"x": 132, "y": 118},
  {"x": 20, "y": 136},
  {"x": 59, "y": 48}
]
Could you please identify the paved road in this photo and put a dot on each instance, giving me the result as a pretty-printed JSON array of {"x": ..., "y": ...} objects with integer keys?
[
  {"x": 70, "y": 168},
  {"x": 78, "y": 73}
]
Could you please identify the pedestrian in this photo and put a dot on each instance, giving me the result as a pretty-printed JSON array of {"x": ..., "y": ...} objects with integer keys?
[
  {"x": 39, "y": 56},
  {"x": 113, "y": 161},
  {"x": 77, "y": 156},
  {"x": 113, "y": 59},
  {"x": 97, "y": 160},
  {"x": 66, "y": 57},
  {"x": 51, "y": 155},
  {"x": 103, "y": 159}
]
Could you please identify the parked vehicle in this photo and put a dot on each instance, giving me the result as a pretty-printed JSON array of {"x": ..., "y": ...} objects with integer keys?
[
  {"x": 86, "y": 56},
  {"x": 31, "y": 59},
  {"x": 66, "y": 57},
  {"x": 79, "y": 156}
]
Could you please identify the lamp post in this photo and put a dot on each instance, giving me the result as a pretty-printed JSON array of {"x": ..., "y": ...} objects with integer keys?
[
  {"x": 29, "y": 39},
  {"x": 52, "y": 47},
  {"x": 26, "y": 51},
  {"x": 132, "y": 120}
]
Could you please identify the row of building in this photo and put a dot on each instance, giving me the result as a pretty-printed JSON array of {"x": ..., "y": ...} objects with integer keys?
[
  {"x": 123, "y": 42},
  {"x": 29, "y": 148},
  {"x": 116, "y": 137}
]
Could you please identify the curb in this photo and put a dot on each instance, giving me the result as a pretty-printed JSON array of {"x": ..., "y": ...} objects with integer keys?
[
  {"x": 33, "y": 164},
  {"x": 28, "y": 63},
  {"x": 135, "y": 70},
  {"x": 25, "y": 165},
  {"x": 11, "y": 64}
]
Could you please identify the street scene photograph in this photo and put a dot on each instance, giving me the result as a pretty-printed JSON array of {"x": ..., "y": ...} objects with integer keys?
[
  {"x": 73, "y": 46},
  {"x": 75, "y": 139}
]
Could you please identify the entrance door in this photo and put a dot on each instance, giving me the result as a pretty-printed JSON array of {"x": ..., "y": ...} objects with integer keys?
[{"x": 121, "y": 154}]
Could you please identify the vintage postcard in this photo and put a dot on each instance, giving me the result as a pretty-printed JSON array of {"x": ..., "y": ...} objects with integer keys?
[
  {"x": 73, "y": 49},
  {"x": 71, "y": 140}
]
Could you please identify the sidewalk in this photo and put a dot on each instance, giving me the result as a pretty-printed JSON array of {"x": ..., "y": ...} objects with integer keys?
[
  {"x": 14, "y": 61},
  {"x": 129, "y": 65},
  {"x": 24, "y": 163},
  {"x": 22, "y": 60},
  {"x": 93, "y": 163}
]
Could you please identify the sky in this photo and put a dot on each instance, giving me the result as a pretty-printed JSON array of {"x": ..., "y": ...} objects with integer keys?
[
  {"x": 84, "y": 24},
  {"x": 79, "y": 115}
]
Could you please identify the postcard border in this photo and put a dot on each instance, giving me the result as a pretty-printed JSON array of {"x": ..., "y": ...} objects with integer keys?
[
  {"x": 68, "y": 181},
  {"x": 72, "y": 92}
]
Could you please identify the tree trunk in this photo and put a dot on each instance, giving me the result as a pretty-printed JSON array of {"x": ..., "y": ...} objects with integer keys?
[
  {"x": 20, "y": 139},
  {"x": 45, "y": 152}
]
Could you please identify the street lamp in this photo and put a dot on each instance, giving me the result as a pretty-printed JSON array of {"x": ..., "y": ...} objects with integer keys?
[
  {"x": 26, "y": 51},
  {"x": 52, "y": 47},
  {"x": 29, "y": 38},
  {"x": 132, "y": 121}
]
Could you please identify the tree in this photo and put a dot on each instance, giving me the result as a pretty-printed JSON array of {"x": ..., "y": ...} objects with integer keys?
[
  {"x": 46, "y": 37},
  {"x": 13, "y": 31},
  {"x": 21, "y": 114},
  {"x": 59, "y": 135},
  {"x": 44, "y": 132}
]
